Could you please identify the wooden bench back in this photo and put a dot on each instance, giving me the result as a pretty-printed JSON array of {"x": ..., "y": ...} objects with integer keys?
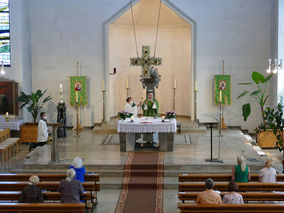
[
  {"x": 10, "y": 195},
  {"x": 231, "y": 208},
  {"x": 44, "y": 177},
  {"x": 48, "y": 186},
  {"x": 247, "y": 196},
  {"x": 42, "y": 207},
  {"x": 196, "y": 187},
  {"x": 217, "y": 177},
  {"x": 4, "y": 134}
]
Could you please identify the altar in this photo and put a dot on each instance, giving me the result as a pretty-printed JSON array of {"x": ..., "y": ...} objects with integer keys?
[{"x": 128, "y": 129}]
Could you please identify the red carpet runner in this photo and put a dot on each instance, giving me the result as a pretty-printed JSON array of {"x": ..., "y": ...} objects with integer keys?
[{"x": 142, "y": 190}]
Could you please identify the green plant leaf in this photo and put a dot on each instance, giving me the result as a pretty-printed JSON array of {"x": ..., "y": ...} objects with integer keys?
[
  {"x": 244, "y": 93},
  {"x": 258, "y": 78},
  {"x": 246, "y": 111},
  {"x": 254, "y": 93}
]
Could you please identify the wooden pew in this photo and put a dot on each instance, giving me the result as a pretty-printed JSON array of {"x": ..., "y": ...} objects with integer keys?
[
  {"x": 93, "y": 177},
  {"x": 217, "y": 177},
  {"x": 44, "y": 177},
  {"x": 42, "y": 207},
  {"x": 48, "y": 186},
  {"x": 196, "y": 187},
  {"x": 247, "y": 196},
  {"x": 184, "y": 208},
  {"x": 47, "y": 196}
]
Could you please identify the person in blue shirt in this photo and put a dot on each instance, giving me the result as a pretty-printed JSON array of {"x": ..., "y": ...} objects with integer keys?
[{"x": 77, "y": 165}]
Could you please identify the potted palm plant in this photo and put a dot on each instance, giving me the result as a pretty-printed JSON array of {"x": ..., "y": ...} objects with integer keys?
[
  {"x": 34, "y": 103},
  {"x": 257, "y": 90}
]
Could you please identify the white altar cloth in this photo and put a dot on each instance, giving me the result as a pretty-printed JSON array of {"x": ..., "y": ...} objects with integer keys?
[
  {"x": 12, "y": 124},
  {"x": 146, "y": 125}
]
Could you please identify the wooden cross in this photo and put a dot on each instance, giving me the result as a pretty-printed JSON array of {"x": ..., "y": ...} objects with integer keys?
[{"x": 145, "y": 61}]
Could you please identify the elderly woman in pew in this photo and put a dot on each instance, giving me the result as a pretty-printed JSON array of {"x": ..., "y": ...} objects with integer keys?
[
  {"x": 241, "y": 172},
  {"x": 70, "y": 188},
  {"x": 31, "y": 193},
  {"x": 77, "y": 165},
  {"x": 233, "y": 197},
  {"x": 267, "y": 174}
]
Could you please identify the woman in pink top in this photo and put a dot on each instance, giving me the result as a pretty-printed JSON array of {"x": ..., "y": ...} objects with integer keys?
[{"x": 233, "y": 197}]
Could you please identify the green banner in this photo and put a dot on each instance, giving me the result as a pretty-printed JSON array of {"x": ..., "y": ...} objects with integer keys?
[
  {"x": 223, "y": 89},
  {"x": 78, "y": 90}
]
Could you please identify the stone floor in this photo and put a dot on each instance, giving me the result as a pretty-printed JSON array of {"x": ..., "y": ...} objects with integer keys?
[{"x": 108, "y": 161}]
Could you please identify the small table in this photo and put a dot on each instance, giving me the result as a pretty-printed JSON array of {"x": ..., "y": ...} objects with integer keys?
[{"x": 128, "y": 129}]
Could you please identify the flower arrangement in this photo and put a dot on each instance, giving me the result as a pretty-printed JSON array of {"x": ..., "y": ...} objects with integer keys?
[
  {"x": 171, "y": 114},
  {"x": 123, "y": 115}
]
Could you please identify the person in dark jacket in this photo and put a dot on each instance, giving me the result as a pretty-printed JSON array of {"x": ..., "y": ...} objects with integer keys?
[
  {"x": 70, "y": 188},
  {"x": 31, "y": 193}
]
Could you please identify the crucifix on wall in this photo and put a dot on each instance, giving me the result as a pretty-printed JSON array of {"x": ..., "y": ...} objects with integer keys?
[{"x": 150, "y": 77}]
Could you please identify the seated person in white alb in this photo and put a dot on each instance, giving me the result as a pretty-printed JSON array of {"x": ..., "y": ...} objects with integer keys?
[{"x": 131, "y": 107}]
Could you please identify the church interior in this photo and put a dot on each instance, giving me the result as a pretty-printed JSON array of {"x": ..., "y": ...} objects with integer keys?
[{"x": 156, "y": 100}]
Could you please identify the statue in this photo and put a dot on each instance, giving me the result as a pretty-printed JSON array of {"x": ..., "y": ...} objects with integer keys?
[{"x": 61, "y": 118}]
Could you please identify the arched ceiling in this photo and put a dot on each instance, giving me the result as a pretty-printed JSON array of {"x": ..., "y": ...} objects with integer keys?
[{"x": 146, "y": 13}]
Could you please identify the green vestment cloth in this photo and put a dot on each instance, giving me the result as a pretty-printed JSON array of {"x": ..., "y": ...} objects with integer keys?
[{"x": 148, "y": 109}]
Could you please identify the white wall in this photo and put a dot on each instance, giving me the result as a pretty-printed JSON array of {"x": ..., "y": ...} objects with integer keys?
[
  {"x": 238, "y": 32},
  {"x": 174, "y": 47},
  {"x": 281, "y": 48},
  {"x": 65, "y": 31}
]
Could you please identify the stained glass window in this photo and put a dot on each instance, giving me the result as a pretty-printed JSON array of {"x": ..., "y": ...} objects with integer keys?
[{"x": 4, "y": 32}]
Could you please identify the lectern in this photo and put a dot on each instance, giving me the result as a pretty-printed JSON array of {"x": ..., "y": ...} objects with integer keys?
[{"x": 54, "y": 149}]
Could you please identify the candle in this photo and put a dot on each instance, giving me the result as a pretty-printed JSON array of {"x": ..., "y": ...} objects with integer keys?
[
  {"x": 103, "y": 86},
  {"x": 7, "y": 114},
  {"x": 220, "y": 96},
  {"x": 175, "y": 83},
  {"x": 132, "y": 117},
  {"x": 195, "y": 86},
  {"x": 76, "y": 96},
  {"x": 126, "y": 84}
]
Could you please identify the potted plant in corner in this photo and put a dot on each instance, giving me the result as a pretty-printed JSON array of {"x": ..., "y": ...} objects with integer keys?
[
  {"x": 258, "y": 92},
  {"x": 33, "y": 103}
]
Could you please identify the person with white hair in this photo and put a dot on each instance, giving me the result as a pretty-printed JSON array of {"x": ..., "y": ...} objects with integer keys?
[
  {"x": 77, "y": 165},
  {"x": 267, "y": 174},
  {"x": 31, "y": 193},
  {"x": 241, "y": 172},
  {"x": 70, "y": 188}
]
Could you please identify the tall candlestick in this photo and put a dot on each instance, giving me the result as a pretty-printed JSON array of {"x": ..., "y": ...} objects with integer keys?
[
  {"x": 175, "y": 83},
  {"x": 126, "y": 84},
  {"x": 220, "y": 96},
  {"x": 77, "y": 97},
  {"x": 103, "y": 86},
  {"x": 195, "y": 86}
]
